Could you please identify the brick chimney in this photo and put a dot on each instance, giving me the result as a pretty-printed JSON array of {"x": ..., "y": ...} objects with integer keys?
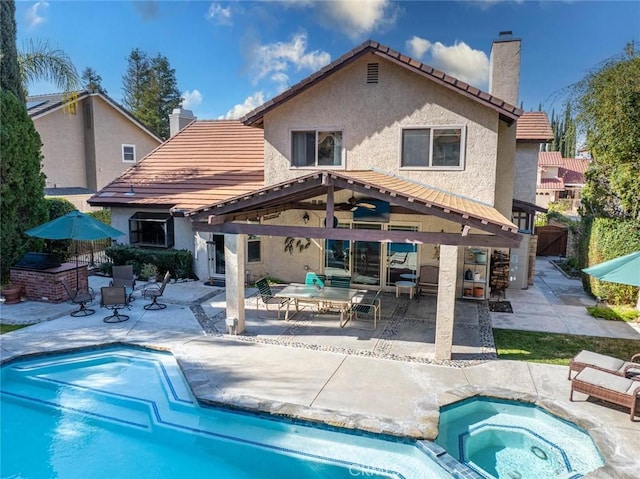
[
  {"x": 504, "y": 68},
  {"x": 178, "y": 119}
]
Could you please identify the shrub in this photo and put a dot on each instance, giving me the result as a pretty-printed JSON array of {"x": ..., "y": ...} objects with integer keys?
[
  {"x": 179, "y": 263},
  {"x": 148, "y": 271}
]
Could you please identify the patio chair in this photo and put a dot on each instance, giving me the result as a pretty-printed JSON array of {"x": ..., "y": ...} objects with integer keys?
[
  {"x": 114, "y": 298},
  {"x": 153, "y": 291},
  {"x": 367, "y": 308},
  {"x": 428, "y": 279},
  {"x": 608, "y": 387},
  {"x": 340, "y": 282},
  {"x": 315, "y": 279},
  {"x": 605, "y": 363},
  {"x": 267, "y": 297},
  {"x": 77, "y": 296},
  {"x": 123, "y": 276}
]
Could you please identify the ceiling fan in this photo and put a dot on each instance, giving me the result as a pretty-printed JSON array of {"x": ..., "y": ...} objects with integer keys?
[{"x": 354, "y": 203}]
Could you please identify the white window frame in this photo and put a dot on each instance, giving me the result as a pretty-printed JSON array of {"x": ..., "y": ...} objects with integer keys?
[
  {"x": 315, "y": 166},
  {"x": 431, "y": 128},
  {"x": 124, "y": 160}
]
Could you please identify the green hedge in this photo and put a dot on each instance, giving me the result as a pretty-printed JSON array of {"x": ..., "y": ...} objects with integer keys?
[
  {"x": 606, "y": 239},
  {"x": 179, "y": 263}
]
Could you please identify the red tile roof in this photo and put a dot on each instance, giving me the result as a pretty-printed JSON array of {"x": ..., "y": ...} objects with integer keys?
[
  {"x": 206, "y": 162},
  {"x": 551, "y": 184},
  {"x": 507, "y": 112},
  {"x": 573, "y": 169},
  {"x": 549, "y": 158},
  {"x": 534, "y": 126}
]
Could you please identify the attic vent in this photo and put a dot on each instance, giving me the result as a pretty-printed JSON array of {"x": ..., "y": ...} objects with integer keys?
[{"x": 372, "y": 72}]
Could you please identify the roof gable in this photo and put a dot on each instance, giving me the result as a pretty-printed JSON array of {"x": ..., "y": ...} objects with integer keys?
[
  {"x": 41, "y": 105},
  {"x": 506, "y": 111},
  {"x": 206, "y": 162}
]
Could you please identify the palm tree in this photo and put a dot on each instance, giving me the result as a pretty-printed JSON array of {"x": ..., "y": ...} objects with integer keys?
[{"x": 39, "y": 61}]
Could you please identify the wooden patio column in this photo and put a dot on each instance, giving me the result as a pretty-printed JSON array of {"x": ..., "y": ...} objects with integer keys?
[
  {"x": 445, "y": 312},
  {"x": 234, "y": 256}
]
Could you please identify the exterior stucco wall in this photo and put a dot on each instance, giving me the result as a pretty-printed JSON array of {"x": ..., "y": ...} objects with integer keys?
[
  {"x": 526, "y": 172},
  {"x": 112, "y": 130},
  {"x": 62, "y": 136},
  {"x": 505, "y": 169},
  {"x": 371, "y": 117}
]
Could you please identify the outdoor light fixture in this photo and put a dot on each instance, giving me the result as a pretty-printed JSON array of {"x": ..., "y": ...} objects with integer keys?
[{"x": 305, "y": 217}]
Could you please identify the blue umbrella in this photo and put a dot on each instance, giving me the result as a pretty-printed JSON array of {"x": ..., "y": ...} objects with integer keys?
[
  {"x": 624, "y": 270},
  {"x": 74, "y": 226}
]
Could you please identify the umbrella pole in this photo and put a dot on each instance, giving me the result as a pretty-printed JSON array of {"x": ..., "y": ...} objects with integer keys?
[{"x": 77, "y": 271}]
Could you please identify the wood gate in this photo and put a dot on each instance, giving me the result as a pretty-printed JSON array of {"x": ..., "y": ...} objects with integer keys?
[{"x": 552, "y": 240}]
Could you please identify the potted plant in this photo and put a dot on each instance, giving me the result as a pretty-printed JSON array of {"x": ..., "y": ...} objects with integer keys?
[
  {"x": 11, "y": 293},
  {"x": 149, "y": 272}
]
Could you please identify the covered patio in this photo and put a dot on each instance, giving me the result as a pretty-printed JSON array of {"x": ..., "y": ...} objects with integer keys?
[{"x": 280, "y": 210}]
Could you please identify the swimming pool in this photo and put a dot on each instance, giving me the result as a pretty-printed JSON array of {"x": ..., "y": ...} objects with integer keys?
[
  {"x": 513, "y": 440},
  {"x": 128, "y": 412}
]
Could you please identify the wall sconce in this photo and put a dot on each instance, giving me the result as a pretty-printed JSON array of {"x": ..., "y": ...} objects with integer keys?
[{"x": 305, "y": 217}]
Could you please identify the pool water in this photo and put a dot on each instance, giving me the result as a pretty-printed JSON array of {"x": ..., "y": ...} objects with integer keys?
[
  {"x": 511, "y": 440},
  {"x": 129, "y": 413}
]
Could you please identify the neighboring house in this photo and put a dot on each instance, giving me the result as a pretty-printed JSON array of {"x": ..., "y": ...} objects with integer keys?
[
  {"x": 560, "y": 180},
  {"x": 86, "y": 143},
  {"x": 372, "y": 166},
  {"x": 533, "y": 130}
]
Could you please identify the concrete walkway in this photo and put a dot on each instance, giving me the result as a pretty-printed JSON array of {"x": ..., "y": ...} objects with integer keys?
[{"x": 367, "y": 393}]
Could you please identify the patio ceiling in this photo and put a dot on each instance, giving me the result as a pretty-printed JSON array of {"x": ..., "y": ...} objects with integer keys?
[{"x": 404, "y": 196}]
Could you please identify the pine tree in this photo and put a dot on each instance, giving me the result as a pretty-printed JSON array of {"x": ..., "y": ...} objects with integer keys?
[
  {"x": 92, "y": 81},
  {"x": 150, "y": 90}
]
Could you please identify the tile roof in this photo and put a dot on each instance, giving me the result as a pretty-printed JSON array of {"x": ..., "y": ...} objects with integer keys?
[
  {"x": 508, "y": 112},
  {"x": 549, "y": 158},
  {"x": 550, "y": 184},
  {"x": 206, "y": 162},
  {"x": 534, "y": 126},
  {"x": 394, "y": 187},
  {"x": 40, "y": 105},
  {"x": 573, "y": 170}
]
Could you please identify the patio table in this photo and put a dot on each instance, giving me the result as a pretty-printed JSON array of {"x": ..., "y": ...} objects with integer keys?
[{"x": 310, "y": 293}]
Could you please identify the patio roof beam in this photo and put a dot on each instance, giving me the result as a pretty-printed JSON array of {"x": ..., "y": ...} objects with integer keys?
[{"x": 392, "y": 236}]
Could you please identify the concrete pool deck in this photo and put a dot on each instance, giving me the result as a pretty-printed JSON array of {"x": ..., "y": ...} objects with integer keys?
[{"x": 350, "y": 390}]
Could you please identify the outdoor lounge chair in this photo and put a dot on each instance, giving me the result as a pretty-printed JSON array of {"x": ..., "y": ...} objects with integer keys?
[
  {"x": 605, "y": 363},
  {"x": 114, "y": 298},
  {"x": 153, "y": 291},
  {"x": 367, "y": 308},
  {"x": 608, "y": 387},
  {"x": 340, "y": 282},
  {"x": 123, "y": 276},
  {"x": 80, "y": 297},
  {"x": 267, "y": 297}
]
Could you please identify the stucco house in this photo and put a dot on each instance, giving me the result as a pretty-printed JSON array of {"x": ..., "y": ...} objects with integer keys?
[
  {"x": 368, "y": 168},
  {"x": 560, "y": 179},
  {"x": 86, "y": 143}
]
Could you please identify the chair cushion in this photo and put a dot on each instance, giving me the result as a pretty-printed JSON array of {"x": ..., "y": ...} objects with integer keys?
[
  {"x": 606, "y": 380},
  {"x": 599, "y": 360}
]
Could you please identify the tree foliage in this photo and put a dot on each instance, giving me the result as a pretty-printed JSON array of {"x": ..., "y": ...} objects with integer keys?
[
  {"x": 564, "y": 133},
  {"x": 10, "y": 78},
  {"x": 608, "y": 112},
  {"x": 21, "y": 182},
  {"x": 150, "y": 90},
  {"x": 92, "y": 81},
  {"x": 39, "y": 61}
]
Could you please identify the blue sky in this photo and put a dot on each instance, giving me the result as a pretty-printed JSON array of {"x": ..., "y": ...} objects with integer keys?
[{"x": 232, "y": 56}]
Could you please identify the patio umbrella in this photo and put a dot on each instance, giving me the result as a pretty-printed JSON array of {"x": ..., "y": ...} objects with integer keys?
[
  {"x": 624, "y": 270},
  {"x": 74, "y": 226}
]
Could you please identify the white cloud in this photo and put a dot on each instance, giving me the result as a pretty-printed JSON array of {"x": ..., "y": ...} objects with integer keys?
[
  {"x": 273, "y": 60},
  {"x": 241, "y": 109},
  {"x": 458, "y": 60},
  {"x": 418, "y": 46},
  {"x": 357, "y": 18},
  {"x": 219, "y": 14},
  {"x": 191, "y": 99},
  {"x": 34, "y": 14}
]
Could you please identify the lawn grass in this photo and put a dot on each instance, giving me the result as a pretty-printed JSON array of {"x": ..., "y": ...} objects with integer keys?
[
  {"x": 553, "y": 348},
  {"x": 614, "y": 313},
  {"x": 7, "y": 328}
]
